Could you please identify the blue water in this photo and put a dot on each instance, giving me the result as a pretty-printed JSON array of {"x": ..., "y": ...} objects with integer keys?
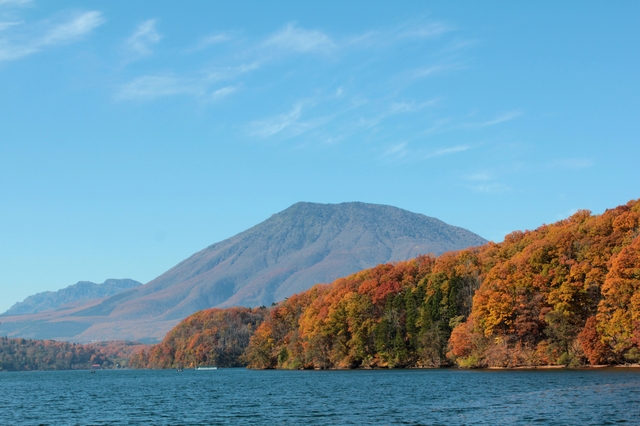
[{"x": 239, "y": 396}]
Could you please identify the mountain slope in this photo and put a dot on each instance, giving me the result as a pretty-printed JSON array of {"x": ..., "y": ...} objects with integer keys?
[
  {"x": 305, "y": 244},
  {"x": 81, "y": 291},
  {"x": 289, "y": 252}
]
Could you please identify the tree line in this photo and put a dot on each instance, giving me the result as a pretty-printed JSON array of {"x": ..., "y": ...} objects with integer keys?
[
  {"x": 212, "y": 337},
  {"x": 31, "y": 355}
]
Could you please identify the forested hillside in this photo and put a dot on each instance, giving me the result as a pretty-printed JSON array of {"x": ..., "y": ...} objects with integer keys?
[
  {"x": 28, "y": 355},
  {"x": 394, "y": 315},
  {"x": 563, "y": 294},
  {"x": 213, "y": 337},
  {"x": 567, "y": 293}
]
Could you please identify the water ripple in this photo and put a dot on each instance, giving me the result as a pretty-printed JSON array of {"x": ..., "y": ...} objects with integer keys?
[{"x": 403, "y": 397}]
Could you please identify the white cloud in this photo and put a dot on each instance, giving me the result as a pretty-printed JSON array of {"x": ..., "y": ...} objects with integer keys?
[
  {"x": 507, "y": 116},
  {"x": 223, "y": 93},
  {"x": 17, "y": 45},
  {"x": 229, "y": 73},
  {"x": 11, "y": 52},
  {"x": 274, "y": 125},
  {"x": 5, "y": 25},
  {"x": 479, "y": 177},
  {"x": 294, "y": 39},
  {"x": 432, "y": 70},
  {"x": 152, "y": 87},
  {"x": 397, "y": 151},
  {"x": 490, "y": 188},
  {"x": 431, "y": 30},
  {"x": 438, "y": 125},
  {"x": 368, "y": 39},
  {"x": 144, "y": 37},
  {"x": 459, "y": 43},
  {"x": 402, "y": 151},
  {"x": 71, "y": 30},
  {"x": 14, "y": 2},
  {"x": 446, "y": 151},
  {"x": 211, "y": 40},
  {"x": 408, "y": 107},
  {"x": 485, "y": 182}
]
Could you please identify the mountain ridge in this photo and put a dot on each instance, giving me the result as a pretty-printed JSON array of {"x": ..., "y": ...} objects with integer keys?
[{"x": 81, "y": 291}]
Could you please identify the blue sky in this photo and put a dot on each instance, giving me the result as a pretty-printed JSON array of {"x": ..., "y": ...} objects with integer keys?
[{"x": 133, "y": 134}]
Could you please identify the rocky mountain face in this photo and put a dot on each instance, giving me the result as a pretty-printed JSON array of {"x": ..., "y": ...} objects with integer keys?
[
  {"x": 306, "y": 244},
  {"x": 81, "y": 291}
]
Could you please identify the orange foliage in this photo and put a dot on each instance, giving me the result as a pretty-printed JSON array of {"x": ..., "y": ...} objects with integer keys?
[{"x": 209, "y": 337}]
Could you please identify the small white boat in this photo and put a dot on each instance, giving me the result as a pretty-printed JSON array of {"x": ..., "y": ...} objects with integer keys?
[{"x": 206, "y": 368}]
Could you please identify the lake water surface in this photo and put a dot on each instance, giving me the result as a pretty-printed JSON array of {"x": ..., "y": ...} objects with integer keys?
[{"x": 239, "y": 396}]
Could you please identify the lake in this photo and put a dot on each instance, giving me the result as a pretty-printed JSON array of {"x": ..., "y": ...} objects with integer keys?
[{"x": 239, "y": 396}]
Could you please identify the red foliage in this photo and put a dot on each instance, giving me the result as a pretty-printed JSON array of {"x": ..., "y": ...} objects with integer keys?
[{"x": 591, "y": 342}]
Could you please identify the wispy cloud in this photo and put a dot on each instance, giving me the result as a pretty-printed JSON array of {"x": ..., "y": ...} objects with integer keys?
[
  {"x": 71, "y": 30},
  {"x": 459, "y": 43},
  {"x": 276, "y": 124},
  {"x": 401, "y": 34},
  {"x": 409, "y": 107},
  {"x": 403, "y": 151},
  {"x": 14, "y": 2},
  {"x": 490, "y": 188},
  {"x": 346, "y": 108},
  {"x": 395, "y": 108},
  {"x": 438, "y": 125},
  {"x": 447, "y": 151},
  {"x": 29, "y": 40},
  {"x": 6, "y": 25},
  {"x": 433, "y": 70},
  {"x": 222, "y": 93},
  {"x": 294, "y": 39},
  {"x": 573, "y": 163},
  {"x": 430, "y": 30},
  {"x": 485, "y": 182},
  {"x": 396, "y": 151},
  {"x": 210, "y": 40},
  {"x": 153, "y": 87},
  {"x": 479, "y": 177},
  {"x": 150, "y": 87},
  {"x": 504, "y": 117},
  {"x": 144, "y": 37}
]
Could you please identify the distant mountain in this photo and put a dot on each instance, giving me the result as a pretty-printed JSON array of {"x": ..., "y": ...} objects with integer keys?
[
  {"x": 307, "y": 243},
  {"x": 81, "y": 291}
]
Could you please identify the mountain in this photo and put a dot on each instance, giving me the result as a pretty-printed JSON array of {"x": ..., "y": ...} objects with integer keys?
[
  {"x": 81, "y": 291},
  {"x": 305, "y": 244},
  {"x": 564, "y": 294}
]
